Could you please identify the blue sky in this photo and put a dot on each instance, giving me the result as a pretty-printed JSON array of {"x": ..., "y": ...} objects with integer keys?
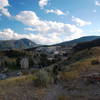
[{"x": 49, "y": 21}]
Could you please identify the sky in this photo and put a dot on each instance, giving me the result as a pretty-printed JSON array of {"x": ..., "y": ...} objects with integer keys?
[{"x": 49, "y": 21}]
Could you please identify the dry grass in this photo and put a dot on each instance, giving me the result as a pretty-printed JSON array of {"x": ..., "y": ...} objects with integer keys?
[
  {"x": 84, "y": 65},
  {"x": 64, "y": 97},
  {"x": 20, "y": 88},
  {"x": 78, "y": 68},
  {"x": 16, "y": 80},
  {"x": 68, "y": 75}
]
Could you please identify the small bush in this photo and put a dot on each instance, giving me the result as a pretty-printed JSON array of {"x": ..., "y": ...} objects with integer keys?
[
  {"x": 95, "y": 62},
  {"x": 25, "y": 72},
  {"x": 42, "y": 79}
]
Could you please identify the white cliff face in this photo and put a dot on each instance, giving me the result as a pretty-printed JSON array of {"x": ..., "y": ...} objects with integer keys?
[{"x": 24, "y": 63}]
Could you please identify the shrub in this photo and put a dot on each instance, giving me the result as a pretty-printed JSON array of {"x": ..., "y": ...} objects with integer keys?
[
  {"x": 95, "y": 62},
  {"x": 25, "y": 72},
  {"x": 42, "y": 79}
]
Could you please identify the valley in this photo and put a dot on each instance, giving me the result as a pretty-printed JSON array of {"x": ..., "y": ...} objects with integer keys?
[{"x": 51, "y": 72}]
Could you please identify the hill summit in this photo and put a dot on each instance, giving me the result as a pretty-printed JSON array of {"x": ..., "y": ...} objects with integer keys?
[{"x": 16, "y": 44}]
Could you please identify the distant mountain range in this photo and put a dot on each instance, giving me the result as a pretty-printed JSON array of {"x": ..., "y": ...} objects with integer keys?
[
  {"x": 26, "y": 43},
  {"x": 16, "y": 44},
  {"x": 79, "y": 40},
  {"x": 87, "y": 45}
]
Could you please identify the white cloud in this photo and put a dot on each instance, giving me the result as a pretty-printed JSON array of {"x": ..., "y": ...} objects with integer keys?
[
  {"x": 48, "y": 32},
  {"x": 97, "y": 3},
  {"x": 29, "y": 29},
  {"x": 96, "y": 31},
  {"x": 4, "y": 3},
  {"x": 8, "y": 34},
  {"x": 57, "y": 12},
  {"x": 80, "y": 22},
  {"x": 27, "y": 17},
  {"x": 3, "y": 10},
  {"x": 43, "y": 3}
]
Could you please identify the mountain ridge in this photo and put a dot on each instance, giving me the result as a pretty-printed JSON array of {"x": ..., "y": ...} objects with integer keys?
[
  {"x": 16, "y": 44},
  {"x": 78, "y": 40},
  {"x": 26, "y": 43}
]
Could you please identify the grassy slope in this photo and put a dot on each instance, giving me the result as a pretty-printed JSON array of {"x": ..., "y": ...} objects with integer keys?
[
  {"x": 22, "y": 88},
  {"x": 81, "y": 63}
]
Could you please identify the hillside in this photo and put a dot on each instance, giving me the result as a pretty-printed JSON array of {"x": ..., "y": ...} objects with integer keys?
[
  {"x": 16, "y": 44},
  {"x": 51, "y": 75},
  {"x": 87, "y": 45},
  {"x": 88, "y": 57},
  {"x": 79, "y": 40},
  {"x": 78, "y": 79}
]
